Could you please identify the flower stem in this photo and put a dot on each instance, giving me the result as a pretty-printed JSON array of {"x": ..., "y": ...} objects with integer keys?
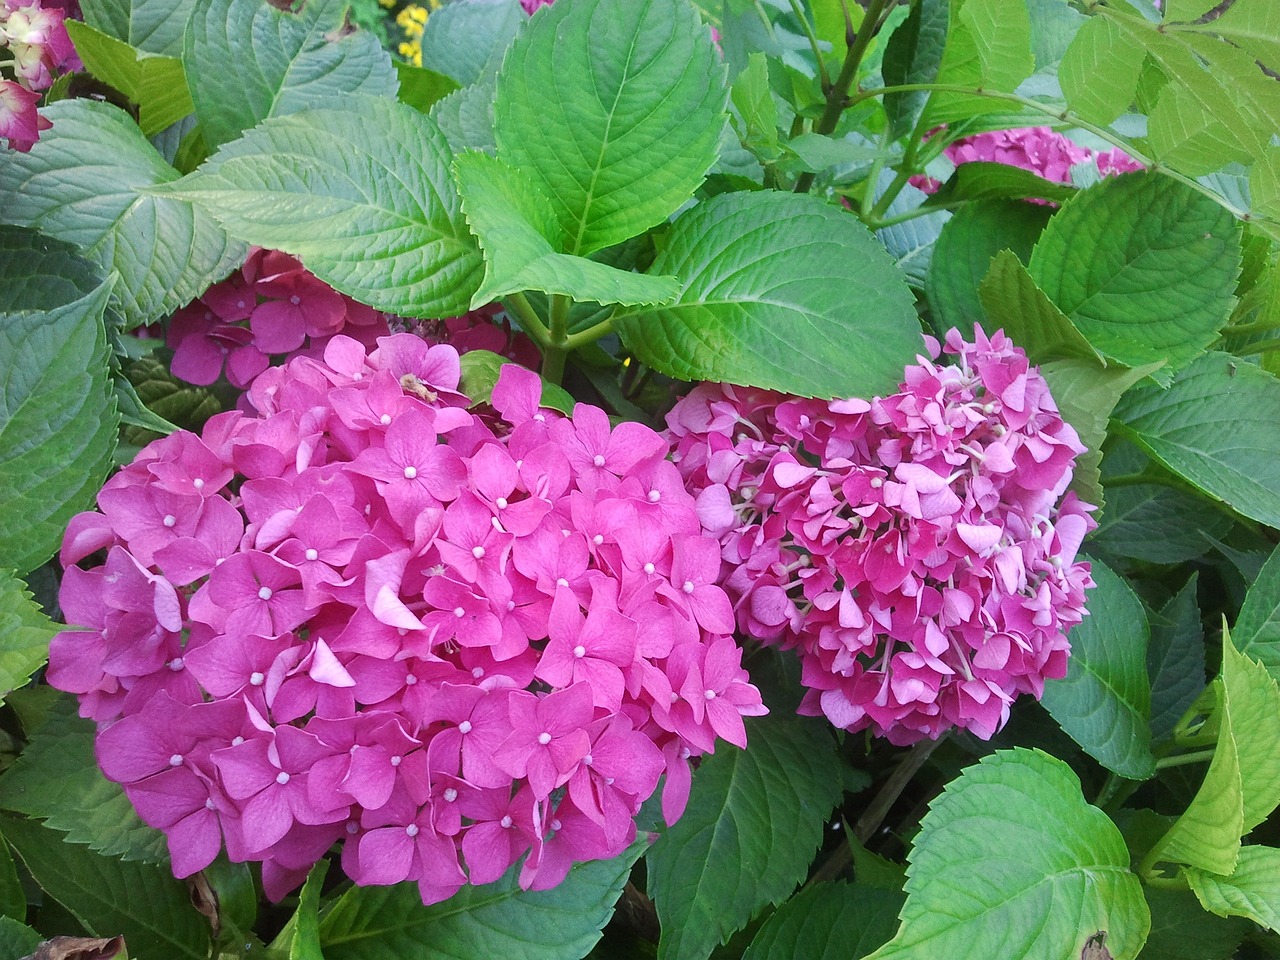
[
  {"x": 813, "y": 43},
  {"x": 529, "y": 318},
  {"x": 590, "y": 335},
  {"x": 1200, "y": 756},
  {"x": 557, "y": 340},
  {"x": 838, "y": 95}
]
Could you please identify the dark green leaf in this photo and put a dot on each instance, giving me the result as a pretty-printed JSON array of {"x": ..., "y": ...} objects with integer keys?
[
  {"x": 1014, "y": 303},
  {"x": 283, "y": 62},
  {"x": 111, "y": 897},
  {"x": 169, "y": 398},
  {"x": 495, "y": 920},
  {"x": 1257, "y": 629},
  {"x": 828, "y": 921},
  {"x": 1215, "y": 426},
  {"x": 85, "y": 183},
  {"x": 962, "y": 255},
  {"x": 615, "y": 109},
  {"x": 1011, "y": 862},
  {"x": 1148, "y": 521},
  {"x": 57, "y": 423},
  {"x": 420, "y": 88},
  {"x": 370, "y": 207},
  {"x": 1144, "y": 266},
  {"x": 1182, "y": 930},
  {"x": 17, "y": 940},
  {"x": 1104, "y": 702},
  {"x": 38, "y": 272},
  {"x": 913, "y": 55},
  {"x": 763, "y": 807},
  {"x": 13, "y": 901},
  {"x": 154, "y": 26},
  {"x": 767, "y": 279},
  {"x": 25, "y": 633}
]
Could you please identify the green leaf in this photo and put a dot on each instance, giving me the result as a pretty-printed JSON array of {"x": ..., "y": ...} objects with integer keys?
[
  {"x": 494, "y": 920},
  {"x": 1144, "y": 266},
  {"x": 988, "y": 47},
  {"x": 1182, "y": 930},
  {"x": 169, "y": 398},
  {"x": 38, "y": 272},
  {"x": 480, "y": 372},
  {"x": 306, "y": 939},
  {"x": 1148, "y": 521},
  {"x": 57, "y": 423},
  {"x": 1054, "y": 26},
  {"x": 17, "y": 939},
  {"x": 57, "y": 779},
  {"x": 466, "y": 117},
  {"x": 1014, "y": 303},
  {"x": 1099, "y": 73},
  {"x": 1104, "y": 701},
  {"x": 420, "y": 88},
  {"x": 1011, "y": 862},
  {"x": 85, "y": 183},
  {"x": 25, "y": 633},
  {"x": 766, "y": 283},
  {"x": 980, "y": 180},
  {"x": 1215, "y": 427},
  {"x": 1252, "y": 890},
  {"x": 522, "y": 242},
  {"x": 913, "y": 55},
  {"x": 1086, "y": 395},
  {"x": 283, "y": 61},
  {"x": 153, "y": 26},
  {"x": 155, "y": 83},
  {"x": 13, "y": 901},
  {"x": 615, "y": 109},
  {"x": 756, "y": 110},
  {"x": 1185, "y": 137},
  {"x": 764, "y": 806},
  {"x": 1257, "y": 629},
  {"x": 466, "y": 41},
  {"x": 962, "y": 256},
  {"x": 111, "y": 897},
  {"x": 368, "y": 206},
  {"x": 1242, "y": 785},
  {"x": 828, "y": 921},
  {"x": 814, "y": 152}
]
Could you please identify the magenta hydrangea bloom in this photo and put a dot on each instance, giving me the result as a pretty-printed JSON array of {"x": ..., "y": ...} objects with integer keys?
[
  {"x": 917, "y": 551},
  {"x": 361, "y": 613},
  {"x": 39, "y": 48}
]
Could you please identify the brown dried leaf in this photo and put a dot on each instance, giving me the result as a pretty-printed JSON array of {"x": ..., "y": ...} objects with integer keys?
[
  {"x": 1095, "y": 948},
  {"x": 78, "y": 948}
]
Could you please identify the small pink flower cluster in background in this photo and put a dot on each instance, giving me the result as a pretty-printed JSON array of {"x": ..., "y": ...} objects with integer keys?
[
  {"x": 912, "y": 549},
  {"x": 272, "y": 305},
  {"x": 366, "y": 615},
  {"x": 531, "y": 5},
  {"x": 36, "y": 39},
  {"x": 1041, "y": 150}
]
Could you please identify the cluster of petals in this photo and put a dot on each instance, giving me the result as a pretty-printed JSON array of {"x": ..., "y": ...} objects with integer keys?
[
  {"x": 38, "y": 46},
  {"x": 1041, "y": 150},
  {"x": 363, "y": 614},
  {"x": 918, "y": 551},
  {"x": 271, "y": 306},
  {"x": 485, "y": 328}
]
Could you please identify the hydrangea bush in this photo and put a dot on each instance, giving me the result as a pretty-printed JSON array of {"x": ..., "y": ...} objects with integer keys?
[{"x": 615, "y": 478}]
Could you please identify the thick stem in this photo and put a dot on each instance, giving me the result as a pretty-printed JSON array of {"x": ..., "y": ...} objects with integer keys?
[
  {"x": 838, "y": 95},
  {"x": 590, "y": 335},
  {"x": 1200, "y": 756},
  {"x": 557, "y": 348},
  {"x": 529, "y": 319}
]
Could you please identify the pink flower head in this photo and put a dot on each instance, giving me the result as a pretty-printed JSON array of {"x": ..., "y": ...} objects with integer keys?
[
  {"x": 916, "y": 551},
  {"x": 20, "y": 122},
  {"x": 358, "y": 612}
]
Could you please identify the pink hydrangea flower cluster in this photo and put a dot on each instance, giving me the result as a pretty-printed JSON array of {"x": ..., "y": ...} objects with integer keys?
[
  {"x": 917, "y": 550},
  {"x": 485, "y": 328},
  {"x": 1042, "y": 150},
  {"x": 38, "y": 48},
  {"x": 366, "y": 615},
  {"x": 271, "y": 306}
]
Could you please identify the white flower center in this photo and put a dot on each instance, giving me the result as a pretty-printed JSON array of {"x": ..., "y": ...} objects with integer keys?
[
  {"x": 579, "y": 651},
  {"x": 175, "y": 760},
  {"x": 169, "y": 520},
  {"x": 313, "y": 553},
  {"x": 410, "y": 472},
  {"x": 256, "y": 679},
  {"x": 264, "y": 593},
  {"x": 282, "y": 778},
  {"x": 544, "y": 738}
]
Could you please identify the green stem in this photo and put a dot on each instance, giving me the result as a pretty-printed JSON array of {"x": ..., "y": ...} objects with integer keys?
[
  {"x": 590, "y": 335},
  {"x": 813, "y": 44},
  {"x": 1262, "y": 326},
  {"x": 886, "y": 199},
  {"x": 553, "y": 356},
  {"x": 529, "y": 318},
  {"x": 1200, "y": 756},
  {"x": 838, "y": 95},
  {"x": 913, "y": 214},
  {"x": 1065, "y": 116}
]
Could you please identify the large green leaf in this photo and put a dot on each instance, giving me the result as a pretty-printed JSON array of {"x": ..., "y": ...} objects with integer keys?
[
  {"x": 523, "y": 242},
  {"x": 778, "y": 291},
  {"x": 17, "y": 939},
  {"x": 1257, "y": 629},
  {"x": 111, "y": 897},
  {"x": 57, "y": 423},
  {"x": 1104, "y": 701},
  {"x": 477, "y": 923},
  {"x": 1252, "y": 890},
  {"x": 13, "y": 901},
  {"x": 362, "y": 196},
  {"x": 39, "y": 273},
  {"x": 1148, "y": 521},
  {"x": 1215, "y": 426},
  {"x": 988, "y": 47},
  {"x": 1012, "y": 862},
  {"x": 615, "y": 108},
  {"x": 248, "y": 60},
  {"x": 1144, "y": 266},
  {"x": 828, "y": 921},
  {"x": 1175, "y": 660},
  {"x": 153, "y": 26},
  {"x": 85, "y": 182},
  {"x": 1014, "y": 303},
  {"x": 754, "y": 820},
  {"x": 57, "y": 779},
  {"x": 983, "y": 180},
  {"x": 155, "y": 83},
  {"x": 962, "y": 256},
  {"x": 1182, "y": 930},
  {"x": 913, "y": 55},
  {"x": 1099, "y": 73},
  {"x": 25, "y": 633},
  {"x": 467, "y": 39}
]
